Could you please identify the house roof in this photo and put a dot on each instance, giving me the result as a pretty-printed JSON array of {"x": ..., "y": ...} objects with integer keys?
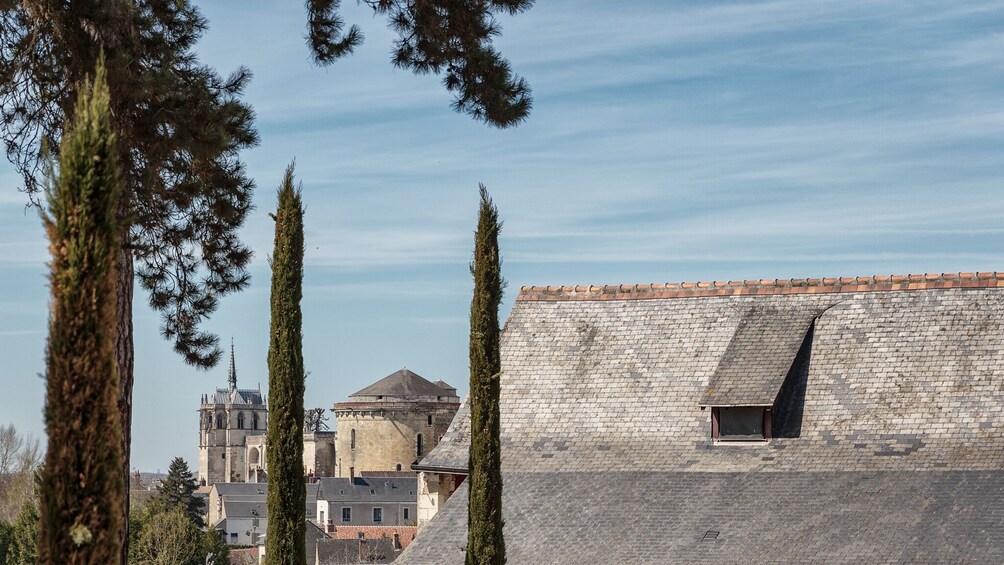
[
  {"x": 888, "y": 424},
  {"x": 403, "y": 383},
  {"x": 368, "y": 489},
  {"x": 244, "y": 509},
  {"x": 338, "y": 551},
  {"x": 759, "y": 355}
]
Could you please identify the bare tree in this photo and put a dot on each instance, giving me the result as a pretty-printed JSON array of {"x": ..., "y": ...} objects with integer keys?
[
  {"x": 10, "y": 447},
  {"x": 315, "y": 420},
  {"x": 20, "y": 456}
]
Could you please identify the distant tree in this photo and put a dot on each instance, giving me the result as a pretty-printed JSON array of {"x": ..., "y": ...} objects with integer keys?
[
  {"x": 10, "y": 447},
  {"x": 286, "y": 488},
  {"x": 180, "y": 127},
  {"x": 6, "y": 539},
  {"x": 485, "y": 544},
  {"x": 24, "y": 537},
  {"x": 216, "y": 552},
  {"x": 168, "y": 537},
  {"x": 82, "y": 482},
  {"x": 177, "y": 491},
  {"x": 452, "y": 37},
  {"x": 20, "y": 456},
  {"x": 315, "y": 420}
]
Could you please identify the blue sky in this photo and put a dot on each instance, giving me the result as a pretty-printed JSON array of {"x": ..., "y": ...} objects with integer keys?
[{"x": 669, "y": 142}]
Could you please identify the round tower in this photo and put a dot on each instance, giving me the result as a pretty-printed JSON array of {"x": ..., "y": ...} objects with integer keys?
[{"x": 392, "y": 423}]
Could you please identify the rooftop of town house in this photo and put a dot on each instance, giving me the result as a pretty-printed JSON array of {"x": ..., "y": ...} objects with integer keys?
[{"x": 887, "y": 434}]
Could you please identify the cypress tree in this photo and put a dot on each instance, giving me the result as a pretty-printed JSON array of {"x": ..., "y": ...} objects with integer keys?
[
  {"x": 485, "y": 544},
  {"x": 82, "y": 482},
  {"x": 287, "y": 493}
]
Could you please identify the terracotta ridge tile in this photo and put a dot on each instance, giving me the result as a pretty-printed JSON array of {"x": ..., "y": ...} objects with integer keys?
[{"x": 761, "y": 287}]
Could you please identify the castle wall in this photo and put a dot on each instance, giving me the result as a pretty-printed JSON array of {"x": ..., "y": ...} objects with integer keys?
[{"x": 386, "y": 434}]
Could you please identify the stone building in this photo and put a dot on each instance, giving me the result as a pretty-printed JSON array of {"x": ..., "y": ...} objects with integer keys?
[
  {"x": 850, "y": 420},
  {"x": 226, "y": 419},
  {"x": 392, "y": 423},
  {"x": 233, "y": 427}
]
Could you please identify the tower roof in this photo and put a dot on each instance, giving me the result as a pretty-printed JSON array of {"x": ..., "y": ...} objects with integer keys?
[{"x": 404, "y": 383}]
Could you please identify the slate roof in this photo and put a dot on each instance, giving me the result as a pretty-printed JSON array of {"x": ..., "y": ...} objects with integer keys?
[
  {"x": 888, "y": 439},
  {"x": 759, "y": 355},
  {"x": 451, "y": 453},
  {"x": 244, "y": 509},
  {"x": 402, "y": 383},
  {"x": 339, "y": 551},
  {"x": 368, "y": 489},
  {"x": 242, "y": 396}
]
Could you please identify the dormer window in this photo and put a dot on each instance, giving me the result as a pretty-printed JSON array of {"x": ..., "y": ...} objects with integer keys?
[{"x": 740, "y": 423}]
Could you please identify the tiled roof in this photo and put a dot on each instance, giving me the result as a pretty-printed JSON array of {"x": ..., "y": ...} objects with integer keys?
[
  {"x": 895, "y": 404},
  {"x": 758, "y": 356},
  {"x": 368, "y": 489},
  {"x": 659, "y": 517},
  {"x": 761, "y": 287},
  {"x": 238, "y": 396},
  {"x": 402, "y": 383}
]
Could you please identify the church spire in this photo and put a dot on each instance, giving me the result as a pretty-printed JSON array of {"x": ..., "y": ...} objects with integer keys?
[{"x": 233, "y": 367}]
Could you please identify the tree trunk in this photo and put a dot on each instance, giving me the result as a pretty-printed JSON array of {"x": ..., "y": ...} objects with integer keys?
[{"x": 124, "y": 354}]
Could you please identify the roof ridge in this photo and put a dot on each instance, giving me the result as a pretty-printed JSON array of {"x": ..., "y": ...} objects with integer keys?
[{"x": 875, "y": 283}]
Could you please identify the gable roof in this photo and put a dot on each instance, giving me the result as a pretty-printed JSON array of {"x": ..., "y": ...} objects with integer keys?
[
  {"x": 888, "y": 433},
  {"x": 368, "y": 489},
  {"x": 402, "y": 383}
]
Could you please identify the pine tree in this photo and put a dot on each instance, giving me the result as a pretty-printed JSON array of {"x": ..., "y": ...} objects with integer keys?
[
  {"x": 286, "y": 488},
  {"x": 82, "y": 482},
  {"x": 24, "y": 537},
  {"x": 177, "y": 491},
  {"x": 452, "y": 37},
  {"x": 180, "y": 127},
  {"x": 485, "y": 544}
]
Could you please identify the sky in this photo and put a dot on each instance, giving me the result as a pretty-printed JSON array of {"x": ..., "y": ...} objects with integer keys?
[{"x": 668, "y": 142}]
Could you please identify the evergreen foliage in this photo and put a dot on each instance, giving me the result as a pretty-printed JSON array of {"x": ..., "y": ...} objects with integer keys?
[
  {"x": 177, "y": 491},
  {"x": 82, "y": 482},
  {"x": 286, "y": 488},
  {"x": 485, "y": 544},
  {"x": 24, "y": 537},
  {"x": 452, "y": 37},
  {"x": 180, "y": 127},
  {"x": 6, "y": 539}
]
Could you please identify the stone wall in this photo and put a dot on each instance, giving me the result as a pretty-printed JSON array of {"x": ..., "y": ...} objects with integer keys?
[{"x": 379, "y": 437}]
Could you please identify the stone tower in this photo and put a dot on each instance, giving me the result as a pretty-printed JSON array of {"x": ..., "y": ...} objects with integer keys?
[
  {"x": 392, "y": 423},
  {"x": 226, "y": 420}
]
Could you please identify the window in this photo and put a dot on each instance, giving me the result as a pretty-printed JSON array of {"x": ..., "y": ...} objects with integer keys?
[
  {"x": 352, "y": 439},
  {"x": 429, "y": 419},
  {"x": 419, "y": 448},
  {"x": 254, "y": 522},
  {"x": 407, "y": 513},
  {"x": 398, "y": 466},
  {"x": 254, "y": 421},
  {"x": 219, "y": 421},
  {"x": 346, "y": 514},
  {"x": 740, "y": 423},
  {"x": 377, "y": 515},
  {"x": 240, "y": 420},
  {"x": 233, "y": 537},
  {"x": 352, "y": 473}
]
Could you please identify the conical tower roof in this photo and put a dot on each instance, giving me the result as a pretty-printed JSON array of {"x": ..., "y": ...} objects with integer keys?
[{"x": 403, "y": 383}]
